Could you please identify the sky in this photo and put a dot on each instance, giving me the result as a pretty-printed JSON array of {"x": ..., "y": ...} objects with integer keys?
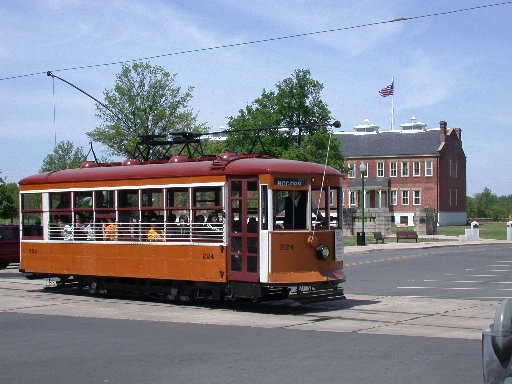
[{"x": 446, "y": 65}]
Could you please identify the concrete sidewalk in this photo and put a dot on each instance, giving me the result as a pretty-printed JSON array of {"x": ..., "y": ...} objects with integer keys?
[{"x": 390, "y": 243}]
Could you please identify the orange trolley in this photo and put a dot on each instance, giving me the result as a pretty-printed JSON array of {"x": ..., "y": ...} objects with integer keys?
[{"x": 225, "y": 227}]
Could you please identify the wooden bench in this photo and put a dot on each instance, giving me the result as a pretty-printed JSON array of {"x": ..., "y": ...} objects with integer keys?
[
  {"x": 406, "y": 235},
  {"x": 378, "y": 237}
]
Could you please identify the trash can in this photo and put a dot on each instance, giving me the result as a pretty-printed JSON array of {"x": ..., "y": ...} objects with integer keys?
[
  {"x": 361, "y": 238},
  {"x": 497, "y": 346}
]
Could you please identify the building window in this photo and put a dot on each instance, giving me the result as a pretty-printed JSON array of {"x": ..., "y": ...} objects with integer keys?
[
  {"x": 417, "y": 197},
  {"x": 352, "y": 198},
  {"x": 453, "y": 197},
  {"x": 393, "y": 197},
  {"x": 352, "y": 170},
  {"x": 405, "y": 169},
  {"x": 416, "y": 169},
  {"x": 453, "y": 168},
  {"x": 392, "y": 169},
  {"x": 428, "y": 168},
  {"x": 331, "y": 198},
  {"x": 380, "y": 169},
  {"x": 405, "y": 197}
]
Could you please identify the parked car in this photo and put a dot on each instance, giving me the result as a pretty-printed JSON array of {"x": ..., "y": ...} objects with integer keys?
[{"x": 9, "y": 245}]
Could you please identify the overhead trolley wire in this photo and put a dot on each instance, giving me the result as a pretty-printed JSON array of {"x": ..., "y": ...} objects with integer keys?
[{"x": 260, "y": 41}]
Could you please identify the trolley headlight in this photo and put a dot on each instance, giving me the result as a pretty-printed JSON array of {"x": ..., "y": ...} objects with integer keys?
[{"x": 323, "y": 252}]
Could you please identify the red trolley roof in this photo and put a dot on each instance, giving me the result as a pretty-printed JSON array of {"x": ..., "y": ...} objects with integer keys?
[{"x": 229, "y": 164}]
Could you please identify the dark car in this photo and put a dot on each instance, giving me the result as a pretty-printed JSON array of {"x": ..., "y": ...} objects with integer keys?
[{"x": 9, "y": 245}]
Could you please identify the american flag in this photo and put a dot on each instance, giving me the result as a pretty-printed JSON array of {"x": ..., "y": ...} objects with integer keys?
[{"x": 387, "y": 91}]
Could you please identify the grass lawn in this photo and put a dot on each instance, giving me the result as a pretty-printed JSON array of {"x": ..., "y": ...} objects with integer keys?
[{"x": 488, "y": 230}]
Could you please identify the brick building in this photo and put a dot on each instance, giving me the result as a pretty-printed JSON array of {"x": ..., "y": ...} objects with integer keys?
[{"x": 407, "y": 169}]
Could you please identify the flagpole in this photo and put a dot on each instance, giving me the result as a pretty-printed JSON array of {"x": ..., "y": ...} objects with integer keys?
[{"x": 393, "y": 104}]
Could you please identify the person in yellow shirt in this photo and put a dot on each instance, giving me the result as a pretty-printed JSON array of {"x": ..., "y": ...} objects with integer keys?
[{"x": 153, "y": 234}]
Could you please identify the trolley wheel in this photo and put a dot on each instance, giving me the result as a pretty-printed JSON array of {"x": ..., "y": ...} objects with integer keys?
[{"x": 93, "y": 287}]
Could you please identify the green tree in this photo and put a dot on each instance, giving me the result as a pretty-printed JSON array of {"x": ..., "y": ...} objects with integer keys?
[
  {"x": 309, "y": 150},
  {"x": 65, "y": 155},
  {"x": 8, "y": 200},
  {"x": 297, "y": 107},
  {"x": 261, "y": 113},
  {"x": 299, "y": 102},
  {"x": 144, "y": 101},
  {"x": 504, "y": 206}
]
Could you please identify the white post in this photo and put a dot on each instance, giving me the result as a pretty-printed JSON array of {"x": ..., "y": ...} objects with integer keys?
[{"x": 393, "y": 105}]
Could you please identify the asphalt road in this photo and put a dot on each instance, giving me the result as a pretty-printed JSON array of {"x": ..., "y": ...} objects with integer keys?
[
  {"x": 58, "y": 349},
  {"x": 389, "y": 330},
  {"x": 481, "y": 272}
]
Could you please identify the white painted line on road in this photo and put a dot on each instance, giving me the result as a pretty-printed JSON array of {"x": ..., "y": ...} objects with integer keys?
[
  {"x": 415, "y": 287},
  {"x": 500, "y": 282},
  {"x": 461, "y": 288},
  {"x": 483, "y": 275},
  {"x": 466, "y": 281},
  {"x": 454, "y": 281},
  {"x": 490, "y": 270}
]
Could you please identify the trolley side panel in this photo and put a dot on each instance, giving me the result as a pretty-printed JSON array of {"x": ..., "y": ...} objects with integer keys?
[{"x": 147, "y": 260}]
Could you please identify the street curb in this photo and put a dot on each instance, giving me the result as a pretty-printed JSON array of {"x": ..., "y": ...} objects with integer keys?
[{"x": 353, "y": 249}]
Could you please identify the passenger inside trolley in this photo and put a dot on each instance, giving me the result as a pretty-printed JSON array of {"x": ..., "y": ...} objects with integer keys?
[
  {"x": 66, "y": 231},
  {"x": 153, "y": 234},
  {"x": 294, "y": 204}
]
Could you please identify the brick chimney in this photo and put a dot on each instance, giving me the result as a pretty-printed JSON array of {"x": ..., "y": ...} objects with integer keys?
[
  {"x": 442, "y": 131},
  {"x": 458, "y": 132}
]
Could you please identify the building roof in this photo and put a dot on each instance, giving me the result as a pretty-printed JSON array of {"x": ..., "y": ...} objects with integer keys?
[{"x": 390, "y": 143}]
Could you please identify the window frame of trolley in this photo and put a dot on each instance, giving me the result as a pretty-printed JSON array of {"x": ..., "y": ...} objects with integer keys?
[{"x": 39, "y": 217}]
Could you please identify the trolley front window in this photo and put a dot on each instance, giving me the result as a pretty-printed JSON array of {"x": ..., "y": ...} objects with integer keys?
[{"x": 299, "y": 209}]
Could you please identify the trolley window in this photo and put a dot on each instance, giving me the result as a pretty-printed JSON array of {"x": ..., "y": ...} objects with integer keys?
[
  {"x": 205, "y": 202},
  {"x": 82, "y": 201},
  {"x": 31, "y": 215},
  {"x": 61, "y": 219},
  {"x": 104, "y": 199},
  {"x": 295, "y": 209},
  {"x": 128, "y": 214},
  {"x": 152, "y": 205},
  {"x": 178, "y": 213},
  {"x": 264, "y": 207},
  {"x": 84, "y": 215},
  {"x": 206, "y": 211}
]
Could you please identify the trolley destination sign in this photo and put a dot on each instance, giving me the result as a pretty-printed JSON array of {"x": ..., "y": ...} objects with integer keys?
[{"x": 289, "y": 182}]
